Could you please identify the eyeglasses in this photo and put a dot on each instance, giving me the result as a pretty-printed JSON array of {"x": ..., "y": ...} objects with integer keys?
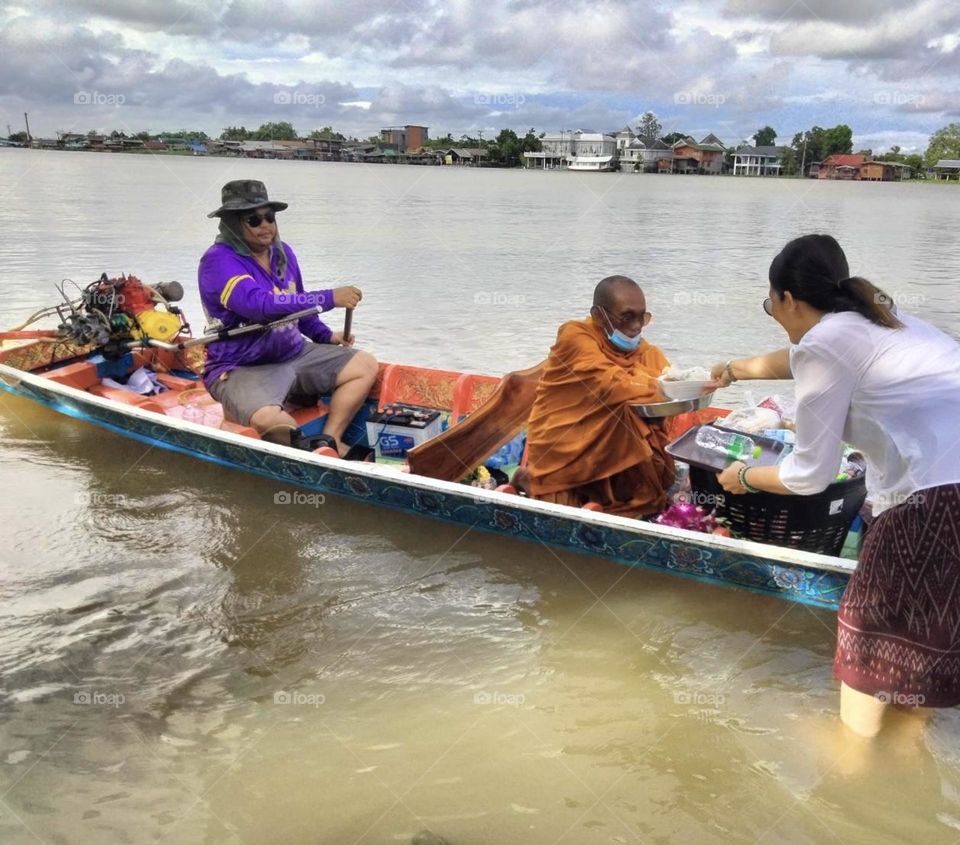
[
  {"x": 644, "y": 318},
  {"x": 254, "y": 220},
  {"x": 768, "y": 306}
]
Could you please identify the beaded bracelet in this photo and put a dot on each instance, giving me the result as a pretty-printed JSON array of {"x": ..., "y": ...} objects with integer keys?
[{"x": 742, "y": 478}]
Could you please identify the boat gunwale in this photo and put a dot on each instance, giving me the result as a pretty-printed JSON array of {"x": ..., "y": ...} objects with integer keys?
[{"x": 812, "y": 561}]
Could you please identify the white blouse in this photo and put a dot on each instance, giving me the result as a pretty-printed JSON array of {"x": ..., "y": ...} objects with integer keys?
[{"x": 894, "y": 394}]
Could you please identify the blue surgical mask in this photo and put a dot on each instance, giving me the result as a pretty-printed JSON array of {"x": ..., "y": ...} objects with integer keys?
[{"x": 622, "y": 341}]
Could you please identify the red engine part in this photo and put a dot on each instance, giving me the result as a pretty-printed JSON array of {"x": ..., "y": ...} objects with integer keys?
[{"x": 135, "y": 297}]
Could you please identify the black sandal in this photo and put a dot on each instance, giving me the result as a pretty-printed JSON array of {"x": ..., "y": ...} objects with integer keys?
[{"x": 312, "y": 442}]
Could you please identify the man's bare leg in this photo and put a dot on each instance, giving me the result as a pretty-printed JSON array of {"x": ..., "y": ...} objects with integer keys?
[
  {"x": 353, "y": 388},
  {"x": 273, "y": 424}
]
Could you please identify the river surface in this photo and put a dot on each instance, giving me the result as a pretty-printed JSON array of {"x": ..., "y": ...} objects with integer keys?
[{"x": 183, "y": 660}]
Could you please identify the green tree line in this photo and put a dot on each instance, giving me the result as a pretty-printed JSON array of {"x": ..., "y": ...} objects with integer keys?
[{"x": 506, "y": 149}]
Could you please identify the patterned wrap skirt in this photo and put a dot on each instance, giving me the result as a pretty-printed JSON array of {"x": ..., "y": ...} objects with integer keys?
[{"x": 898, "y": 631}]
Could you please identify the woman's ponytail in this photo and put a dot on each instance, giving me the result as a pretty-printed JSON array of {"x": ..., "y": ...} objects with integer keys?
[
  {"x": 867, "y": 299},
  {"x": 814, "y": 270}
]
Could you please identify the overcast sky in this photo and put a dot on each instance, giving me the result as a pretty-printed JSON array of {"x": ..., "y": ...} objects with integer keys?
[{"x": 889, "y": 68}]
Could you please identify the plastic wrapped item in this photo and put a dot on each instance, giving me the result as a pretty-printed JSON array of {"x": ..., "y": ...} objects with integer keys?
[
  {"x": 752, "y": 420},
  {"x": 143, "y": 381},
  {"x": 509, "y": 454},
  {"x": 785, "y": 406},
  {"x": 852, "y": 465},
  {"x": 782, "y": 434}
]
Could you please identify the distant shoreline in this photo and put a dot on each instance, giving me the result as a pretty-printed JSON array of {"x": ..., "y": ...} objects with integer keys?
[{"x": 222, "y": 157}]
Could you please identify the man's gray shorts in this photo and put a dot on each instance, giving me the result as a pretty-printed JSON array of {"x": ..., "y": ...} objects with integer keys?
[{"x": 301, "y": 380}]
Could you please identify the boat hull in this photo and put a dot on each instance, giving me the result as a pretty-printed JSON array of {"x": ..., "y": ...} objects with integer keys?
[{"x": 795, "y": 575}]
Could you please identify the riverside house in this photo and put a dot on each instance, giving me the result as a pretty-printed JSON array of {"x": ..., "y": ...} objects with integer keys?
[
  {"x": 947, "y": 168},
  {"x": 691, "y": 156},
  {"x": 884, "y": 171},
  {"x": 840, "y": 166},
  {"x": 576, "y": 150},
  {"x": 644, "y": 156},
  {"x": 758, "y": 161}
]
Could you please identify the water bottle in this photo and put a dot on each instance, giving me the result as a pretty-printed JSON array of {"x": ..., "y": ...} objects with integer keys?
[{"x": 730, "y": 444}]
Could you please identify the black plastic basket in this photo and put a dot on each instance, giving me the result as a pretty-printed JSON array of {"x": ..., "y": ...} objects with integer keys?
[{"x": 817, "y": 523}]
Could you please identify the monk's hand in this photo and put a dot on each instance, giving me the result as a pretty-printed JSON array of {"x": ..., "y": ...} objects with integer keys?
[
  {"x": 347, "y": 297},
  {"x": 730, "y": 478},
  {"x": 338, "y": 339}
]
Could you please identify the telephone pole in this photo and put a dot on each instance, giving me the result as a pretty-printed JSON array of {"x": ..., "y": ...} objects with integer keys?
[{"x": 26, "y": 120}]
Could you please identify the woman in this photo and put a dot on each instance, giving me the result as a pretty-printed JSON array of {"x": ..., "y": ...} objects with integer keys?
[
  {"x": 888, "y": 384},
  {"x": 250, "y": 276}
]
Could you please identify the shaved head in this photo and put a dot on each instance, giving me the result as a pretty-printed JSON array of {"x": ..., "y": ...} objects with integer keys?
[
  {"x": 619, "y": 303},
  {"x": 611, "y": 290}
]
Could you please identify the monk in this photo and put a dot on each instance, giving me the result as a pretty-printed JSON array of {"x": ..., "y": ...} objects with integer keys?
[{"x": 585, "y": 444}]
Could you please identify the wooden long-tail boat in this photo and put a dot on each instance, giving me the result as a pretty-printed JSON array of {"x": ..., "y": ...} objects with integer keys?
[{"x": 67, "y": 376}]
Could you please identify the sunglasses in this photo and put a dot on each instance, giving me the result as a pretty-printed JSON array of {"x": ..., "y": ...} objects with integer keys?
[
  {"x": 254, "y": 220},
  {"x": 768, "y": 306},
  {"x": 616, "y": 320}
]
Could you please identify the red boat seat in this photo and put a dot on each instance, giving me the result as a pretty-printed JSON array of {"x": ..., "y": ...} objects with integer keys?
[
  {"x": 177, "y": 382},
  {"x": 418, "y": 386},
  {"x": 167, "y": 399},
  {"x": 125, "y": 397},
  {"x": 470, "y": 392},
  {"x": 81, "y": 375}
]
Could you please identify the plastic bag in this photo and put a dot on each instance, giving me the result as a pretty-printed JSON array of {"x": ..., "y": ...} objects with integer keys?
[{"x": 751, "y": 420}]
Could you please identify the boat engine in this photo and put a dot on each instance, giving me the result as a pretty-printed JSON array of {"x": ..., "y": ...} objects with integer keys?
[{"x": 113, "y": 313}]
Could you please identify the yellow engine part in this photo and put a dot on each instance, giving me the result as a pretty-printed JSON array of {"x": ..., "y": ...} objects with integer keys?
[{"x": 159, "y": 325}]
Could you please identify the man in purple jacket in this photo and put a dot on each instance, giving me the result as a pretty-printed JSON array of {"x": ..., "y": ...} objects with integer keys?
[{"x": 250, "y": 276}]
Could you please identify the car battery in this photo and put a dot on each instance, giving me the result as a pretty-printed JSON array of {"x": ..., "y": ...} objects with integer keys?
[{"x": 398, "y": 428}]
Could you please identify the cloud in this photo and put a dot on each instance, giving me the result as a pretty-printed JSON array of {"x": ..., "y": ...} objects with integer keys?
[
  {"x": 726, "y": 66},
  {"x": 819, "y": 11}
]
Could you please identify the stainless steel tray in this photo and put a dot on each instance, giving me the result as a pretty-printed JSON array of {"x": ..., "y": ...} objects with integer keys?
[{"x": 655, "y": 410}]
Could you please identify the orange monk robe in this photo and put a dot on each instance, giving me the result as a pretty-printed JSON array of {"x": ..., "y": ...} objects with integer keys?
[{"x": 584, "y": 442}]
